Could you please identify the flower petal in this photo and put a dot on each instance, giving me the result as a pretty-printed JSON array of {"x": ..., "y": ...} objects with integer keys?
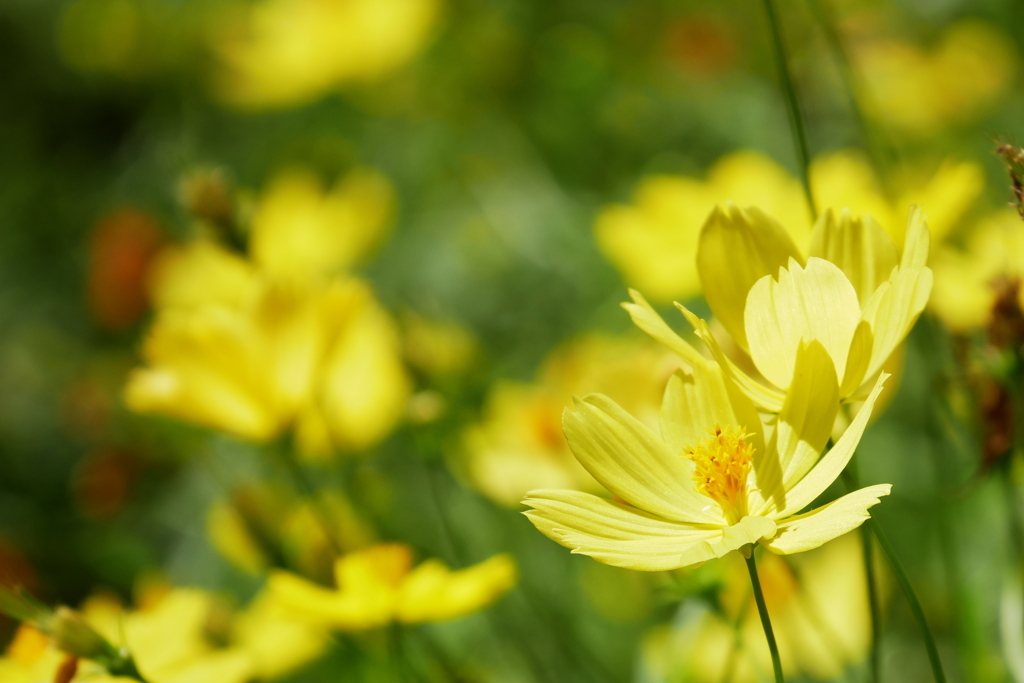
[
  {"x": 750, "y": 529},
  {"x": 893, "y": 310},
  {"x": 819, "y": 526},
  {"x": 633, "y": 463},
  {"x": 767, "y": 398},
  {"x": 696, "y": 402},
  {"x": 859, "y": 246},
  {"x": 803, "y": 428},
  {"x": 831, "y": 465},
  {"x": 617, "y": 534},
  {"x": 648, "y": 320},
  {"x": 816, "y": 302},
  {"x": 739, "y": 246}
]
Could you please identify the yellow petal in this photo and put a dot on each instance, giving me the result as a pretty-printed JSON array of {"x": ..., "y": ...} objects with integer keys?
[
  {"x": 859, "y": 246},
  {"x": 364, "y": 384},
  {"x": 915, "y": 247},
  {"x": 633, "y": 463},
  {"x": 821, "y": 525},
  {"x": 766, "y": 398},
  {"x": 948, "y": 195},
  {"x": 299, "y": 229},
  {"x": 201, "y": 274},
  {"x": 432, "y": 592},
  {"x": 696, "y": 402},
  {"x": 739, "y": 246},
  {"x": 893, "y": 310},
  {"x": 803, "y": 427},
  {"x": 831, "y": 465},
  {"x": 648, "y": 320},
  {"x": 617, "y": 534},
  {"x": 812, "y": 303},
  {"x": 750, "y": 529}
]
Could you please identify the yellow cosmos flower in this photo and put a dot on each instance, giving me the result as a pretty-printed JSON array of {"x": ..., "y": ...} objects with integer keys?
[
  {"x": 285, "y": 340},
  {"x": 654, "y": 240},
  {"x": 920, "y": 92},
  {"x": 968, "y": 280},
  {"x": 283, "y": 53},
  {"x": 718, "y": 478},
  {"x": 326, "y": 363},
  {"x": 819, "y": 606},
  {"x": 853, "y": 295},
  {"x": 167, "y": 639},
  {"x": 518, "y": 444},
  {"x": 378, "y": 585}
]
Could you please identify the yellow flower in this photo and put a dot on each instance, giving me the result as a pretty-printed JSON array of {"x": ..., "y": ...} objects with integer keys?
[
  {"x": 853, "y": 295},
  {"x": 921, "y": 92},
  {"x": 968, "y": 281},
  {"x": 819, "y": 609},
  {"x": 326, "y": 363},
  {"x": 282, "y": 53},
  {"x": 167, "y": 639},
  {"x": 285, "y": 340},
  {"x": 653, "y": 241},
  {"x": 518, "y": 443},
  {"x": 378, "y": 585},
  {"x": 718, "y": 478}
]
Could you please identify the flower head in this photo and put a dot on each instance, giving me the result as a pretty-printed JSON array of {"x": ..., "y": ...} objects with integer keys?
[
  {"x": 853, "y": 295},
  {"x": 719, "y": 476}
]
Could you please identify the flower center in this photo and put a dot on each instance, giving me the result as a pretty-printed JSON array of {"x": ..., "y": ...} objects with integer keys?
[{"x": 721, "y": 465}]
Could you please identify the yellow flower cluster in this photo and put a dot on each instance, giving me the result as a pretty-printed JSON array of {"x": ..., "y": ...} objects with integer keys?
[
  {"x": 285, "y": 339},
  {"x": 653, "y": 241},
  {"x": 818, "y": 330}
]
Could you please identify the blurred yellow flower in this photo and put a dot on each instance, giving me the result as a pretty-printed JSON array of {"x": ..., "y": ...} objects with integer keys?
[
  {"x": 718, "y": 478},
  {"x": 819, "y": 606},
  {"x": 167, "y": 638},
  {"x": 326, "y": 363},
  {"x": 378, "y": 585},
  {"x": 968, "y": 281},
  {"x": 518, "y": 444},
  {"x": 653, "y": 241},
  {"x": 853, "y": 295},
  {"x": 285, "y": 340},
  {"x": 920, "y": 92},
  {"x": 283, "y": 53}
]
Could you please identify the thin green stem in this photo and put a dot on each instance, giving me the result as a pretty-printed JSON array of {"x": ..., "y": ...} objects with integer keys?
[
  {"x": 850, "y": 479},
  {"x": 766, "y": 622},
  {"x": 796, "y": 121},
  {"x": 911, "y": 596}
]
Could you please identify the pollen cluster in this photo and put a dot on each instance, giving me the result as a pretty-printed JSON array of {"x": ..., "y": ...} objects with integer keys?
[{"x": 722, "y": 462}]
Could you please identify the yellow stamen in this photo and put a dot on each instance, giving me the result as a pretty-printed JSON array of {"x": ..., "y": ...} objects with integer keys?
[{"x": 722, "y": 462}]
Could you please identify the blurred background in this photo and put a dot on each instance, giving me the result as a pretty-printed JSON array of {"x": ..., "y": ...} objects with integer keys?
[{"x": 474, "y": 184}]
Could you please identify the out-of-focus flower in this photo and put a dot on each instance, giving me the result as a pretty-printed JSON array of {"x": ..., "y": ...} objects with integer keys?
[
  {"x": 711, "y": 482},
  {"x": 121, "y": 251},
  {"x": 378, "y": 585},
  {"x": 653, "y": 241},
  {"x": 518, "y": 445},
  {"x": 920, "y": 92},
  {"x": 968, "y": 281},
  {"x": 273, "y": 639},
  {"x": 326, "y": 363},
  {"x": 819, "y": 607},
  {"x": 167, "y": 640},
  {"x": 263, "y": 525},
  {"x": 285, "y": 340},
  {"x": 853, "y": 295},
  {"x": 283, "y": 53}
]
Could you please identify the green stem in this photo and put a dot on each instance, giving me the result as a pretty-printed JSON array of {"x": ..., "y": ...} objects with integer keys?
[
  {"x": 911, "y": 596},
  {"x": 762, "y": 609},
  {"x": 796, "y": 121},
  {"x": 871, "y": 577},
  {"x": 874, "y": 604}
]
